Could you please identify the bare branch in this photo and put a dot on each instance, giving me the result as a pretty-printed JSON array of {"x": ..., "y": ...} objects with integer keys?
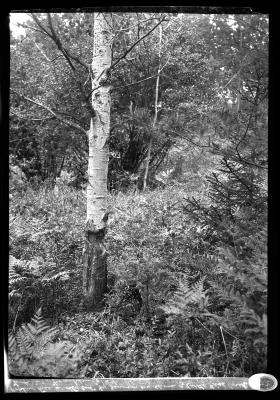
[
  {"x": 28, "y": 117},
  {"x": 135, "y": 44},
  {"x": 41, "y": 51},
  {"x": 30, "y": 27},
  {"x": 135, "y": 83},
  {"x": 58, "y": 43},
  {"x": 43, "y": 29},
  {"x": 53, "y": 35},
  {"x": 124, "y": 55},
  {"x": 58, "y": 117},
  {"x": 68, "y": 56},
  {"x": 63, "y": 49}
]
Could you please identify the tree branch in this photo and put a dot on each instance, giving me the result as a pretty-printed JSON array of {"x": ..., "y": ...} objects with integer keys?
[
  {"x": 31, "y": 27},
  {"x": 53, "y": 35},
  {"x": 28, "y": 117},
  {"x": 58, "y": 43},
  {"x": 135, "y": 83},
  {"x": 134, "y": 44},
  {"x": 67, "y": 55},
  {"x": 246, "y": 130},
  {"x": 236, "y": 175},
  {"x": 41, "y": 26},
  {"x": 41, "y": 51},
  {"x": 66, "y": 122}
]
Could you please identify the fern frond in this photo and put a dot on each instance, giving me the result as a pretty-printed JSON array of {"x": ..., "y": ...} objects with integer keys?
[
  {"x": 31, "y": 352},
  {"x": 42, "y": 342},
  {"x": 12, "y": 345},
  {"x": 186, "y": 296},
  {"x": 24, "y": 342},
  {"x": 226, "y": 292},
  {"x": 38, "y": 322},
  {"x": 257, "y": 324},
  {"x": 57, "y": 349},
  {"x": 32, "y": 338}
]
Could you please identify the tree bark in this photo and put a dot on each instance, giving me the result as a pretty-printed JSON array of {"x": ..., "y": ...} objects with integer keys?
[
  {"x": 94, "y": 254},
  {"x": 239, "y": 85},
  {"x": 156, "y": 114}
]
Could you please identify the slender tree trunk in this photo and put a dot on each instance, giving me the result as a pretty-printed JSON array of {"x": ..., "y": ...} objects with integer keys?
[
  {"x": 61, "y": 165},
  {"x": 239, "y": 87},
  {"x": 94, "y": 254},
  {"x": 155, "y": 116},
  {"x": 147, "y": 164}
]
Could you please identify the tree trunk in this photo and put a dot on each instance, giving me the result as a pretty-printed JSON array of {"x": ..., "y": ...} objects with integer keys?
[
  {"x": 156, "y": 113},
  {"x": 94, "y": 254},
  {"x": 147, "y": 164},
  {"x": 239, "y": 86}
]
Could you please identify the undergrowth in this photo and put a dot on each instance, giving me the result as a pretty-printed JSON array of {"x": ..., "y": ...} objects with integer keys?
[{"x": 185, "y": 297}]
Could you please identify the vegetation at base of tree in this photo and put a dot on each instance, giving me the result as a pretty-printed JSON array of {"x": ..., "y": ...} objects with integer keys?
[
  {"x": 176, "y": 305},
  {"x": 187, "y": 256}
]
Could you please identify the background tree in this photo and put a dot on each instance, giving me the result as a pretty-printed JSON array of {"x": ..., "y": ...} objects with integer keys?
[
  {"x": 52, "y": 90},
  {"x": 155, "y": 112}
]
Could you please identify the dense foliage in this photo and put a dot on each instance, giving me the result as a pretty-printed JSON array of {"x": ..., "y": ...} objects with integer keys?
[
  {"x": 187, "y": 258},
  {"x": 201, "y": 309}
]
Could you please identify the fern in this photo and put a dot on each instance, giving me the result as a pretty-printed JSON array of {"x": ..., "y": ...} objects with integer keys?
[
  {"x": 186, "y": 297},
  {"x": 32, "y": 353},
  {"x": 12, "y": 346},
  {"x": 39, "y": 325},
  {"x": 33, "y": 337},
  {"x": 226, "y": 292},
  {"x": 257, "y": 325},
  {"x": 24, "y": 343}
]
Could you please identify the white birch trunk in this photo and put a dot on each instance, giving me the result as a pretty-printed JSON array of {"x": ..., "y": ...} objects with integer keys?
[{"x": 95, "y": 266}]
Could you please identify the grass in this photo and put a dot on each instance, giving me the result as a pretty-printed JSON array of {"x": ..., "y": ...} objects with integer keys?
[{"x": 160, "y": 251}]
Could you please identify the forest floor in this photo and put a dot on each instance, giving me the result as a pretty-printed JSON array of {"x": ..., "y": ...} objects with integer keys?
[{"x": 180, "y": 301}]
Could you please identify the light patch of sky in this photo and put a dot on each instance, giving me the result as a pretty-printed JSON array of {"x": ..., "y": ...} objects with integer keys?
[
  {"x": 15, "y": 19},
  {"x": 230, "y": 21}
]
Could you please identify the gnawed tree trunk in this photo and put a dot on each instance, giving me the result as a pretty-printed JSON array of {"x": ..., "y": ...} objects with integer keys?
[{"x": 94, "y": 255}]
